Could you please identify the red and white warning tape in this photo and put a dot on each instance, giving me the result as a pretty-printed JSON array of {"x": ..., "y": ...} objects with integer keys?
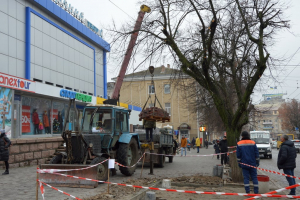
[
  {"x": 66, "y": 170},
  {"x": 57, "y": 190},
  {"x": 191, "y": 155},
  {"x": 42, "y": 189},
  {"x": 185, "y": 191},
  {"x": 271, "y": 171},
  {"x": 277, "y": 191},
  {"x": 132, "y": 165}
]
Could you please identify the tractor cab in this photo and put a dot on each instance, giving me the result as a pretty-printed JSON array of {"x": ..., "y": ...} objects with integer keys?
[{"x": 109, "y": 121}]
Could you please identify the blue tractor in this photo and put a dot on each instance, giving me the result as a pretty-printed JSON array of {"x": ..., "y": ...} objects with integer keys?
[{"x": 103, "y": 133}]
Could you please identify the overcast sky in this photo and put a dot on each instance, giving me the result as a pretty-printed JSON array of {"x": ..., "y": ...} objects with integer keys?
[{"x": 102, "y": 12}]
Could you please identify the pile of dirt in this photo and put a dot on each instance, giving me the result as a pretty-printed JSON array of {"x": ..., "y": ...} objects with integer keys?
[
  {"x": 199, "y": 179},
  {"x": 124, "y": 192}
]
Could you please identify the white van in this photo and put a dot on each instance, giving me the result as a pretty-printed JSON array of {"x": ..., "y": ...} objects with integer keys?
[{"x": 263, "y": 142}]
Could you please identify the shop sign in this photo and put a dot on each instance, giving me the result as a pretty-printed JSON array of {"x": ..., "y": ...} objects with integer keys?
[
  {"x": 74, "y": 12},
  {"x": 16, "y": 83},
  {"x": 75, "y": 95},
  {"x": 25, "y": 119}
]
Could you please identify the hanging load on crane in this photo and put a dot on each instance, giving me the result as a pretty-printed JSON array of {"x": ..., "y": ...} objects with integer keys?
[{"x": 154, "y": 113}]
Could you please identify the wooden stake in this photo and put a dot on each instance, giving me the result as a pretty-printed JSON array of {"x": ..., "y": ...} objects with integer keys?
[
  {"x": 108, "y": 177},
  {"x": 37, "y": 185},
  {"x": 143, "y": 163}
]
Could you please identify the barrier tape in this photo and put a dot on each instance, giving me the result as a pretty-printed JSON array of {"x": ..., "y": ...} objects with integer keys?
[
  {"x": 132, "y": 165},
  {"x": 277, "y": 191},
  {"x": 274, "y": 172},
  {"x": 192, "y": 155},
  {"x": 66, "y": 170},
  {"x": 42, "y": 189},
  {"x": 184, "y": 191},
  {"x": 60, "y": 190}
]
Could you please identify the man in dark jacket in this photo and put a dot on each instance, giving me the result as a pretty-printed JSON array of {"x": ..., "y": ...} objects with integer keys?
[
  {"x": 287, "y": 160},
  {"x": 247, "y": 152},
  {"x": 224, "y": 150},
  {"x": 217, "y": 148},
  {"x": 4, "y": 154},
  {"x": 193, "y": 142}
]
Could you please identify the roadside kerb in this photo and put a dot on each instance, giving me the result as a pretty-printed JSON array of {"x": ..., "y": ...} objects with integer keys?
[{"x": 141, "y": 194}]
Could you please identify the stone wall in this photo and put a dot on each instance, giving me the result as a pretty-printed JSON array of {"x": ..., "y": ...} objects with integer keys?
[{"x": 31, "y": 151}]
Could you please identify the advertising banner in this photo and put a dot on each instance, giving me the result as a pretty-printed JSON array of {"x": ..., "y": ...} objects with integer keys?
[
  {"x": 5, "y": 110},
  {"x": 16, "y": 83},
  {"x": 25, "y": 119},
  {"x": 54, "y": 114}
]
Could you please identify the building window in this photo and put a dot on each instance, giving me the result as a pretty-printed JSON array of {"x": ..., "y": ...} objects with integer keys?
[
  {"x": 168, "y": 108},
  {"x": 151, "y": 89},
  {"x": 167, "y": 88},
  {"x": 270, "y": 120},
  {"x": 151, "y": 105}
]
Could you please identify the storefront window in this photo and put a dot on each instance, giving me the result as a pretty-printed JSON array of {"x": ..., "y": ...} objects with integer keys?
[
  {"x": 58, "y": 116},
  {"x": 35, "y": 116}
]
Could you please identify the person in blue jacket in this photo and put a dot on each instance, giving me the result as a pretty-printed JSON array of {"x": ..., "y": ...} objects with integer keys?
[{"x": 247, "y": 153}]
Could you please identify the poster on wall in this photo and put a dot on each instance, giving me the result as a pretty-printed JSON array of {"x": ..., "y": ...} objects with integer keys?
[
  {"x": 5, "y": 109},
  {"x": 25, "y": 119}
]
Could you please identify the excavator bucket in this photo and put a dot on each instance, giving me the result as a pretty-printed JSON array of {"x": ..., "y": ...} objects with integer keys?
[{"x": 63, "y": 181}]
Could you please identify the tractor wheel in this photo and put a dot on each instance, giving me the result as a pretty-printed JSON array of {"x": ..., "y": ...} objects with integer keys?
[
  {"x": 56, "y": 159},
  {"x": 161, "y": 158},
  {"x": 128, "y": 156},
  {"x": 102, "y": 173}
]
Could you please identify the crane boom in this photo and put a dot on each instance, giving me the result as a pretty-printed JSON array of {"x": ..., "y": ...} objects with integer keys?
[{"x": 134, "y": 35}]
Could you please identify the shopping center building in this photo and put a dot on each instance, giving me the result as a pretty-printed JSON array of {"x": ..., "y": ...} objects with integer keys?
[{"x": 49, "y": 53}]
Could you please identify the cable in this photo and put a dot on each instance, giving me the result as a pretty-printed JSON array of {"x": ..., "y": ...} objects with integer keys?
[{"x": 121, "y": 9}]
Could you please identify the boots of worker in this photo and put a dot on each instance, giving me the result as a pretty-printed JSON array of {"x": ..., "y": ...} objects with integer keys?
[{"x": 6, "y": 172}]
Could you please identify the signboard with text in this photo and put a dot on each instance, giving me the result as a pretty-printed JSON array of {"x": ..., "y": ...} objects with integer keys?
[{"x": 25, "y": 119}]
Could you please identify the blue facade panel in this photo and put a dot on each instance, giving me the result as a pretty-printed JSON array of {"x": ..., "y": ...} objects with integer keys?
[
  {"x": 137, "y": 108},
  {"x": 69, "y": 19},
  {"x": 56, "y": 10},
  {"x": 50, "y": 6}
]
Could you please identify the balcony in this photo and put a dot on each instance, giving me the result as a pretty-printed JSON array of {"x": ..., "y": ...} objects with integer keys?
[
  {"x": 268, "y": 127},
  {"x": 267, "y": 123}
]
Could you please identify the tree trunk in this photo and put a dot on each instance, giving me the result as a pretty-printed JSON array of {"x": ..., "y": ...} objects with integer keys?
[{"x": 236, "y": 172}]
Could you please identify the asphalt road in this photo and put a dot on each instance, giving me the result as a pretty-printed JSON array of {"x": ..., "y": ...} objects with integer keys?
[{"x": 271, "y": 164}]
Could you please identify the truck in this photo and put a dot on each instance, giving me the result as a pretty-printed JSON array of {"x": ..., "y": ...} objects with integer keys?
[{"x": 263, "y": 142}]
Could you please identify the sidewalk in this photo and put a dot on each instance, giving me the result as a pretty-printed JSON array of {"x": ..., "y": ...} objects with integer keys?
[{"x": 20, "y": 183}]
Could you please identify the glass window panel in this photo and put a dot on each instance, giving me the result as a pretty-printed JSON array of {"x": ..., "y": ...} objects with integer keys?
[{"x": 35, "y": 116}]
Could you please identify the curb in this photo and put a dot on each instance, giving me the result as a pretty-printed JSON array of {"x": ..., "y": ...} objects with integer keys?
[{"x": 142, "y": 193}]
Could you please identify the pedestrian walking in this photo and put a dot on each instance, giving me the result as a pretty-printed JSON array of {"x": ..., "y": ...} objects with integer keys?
[
  {"x": 4, "y": 154},
  {"x": 287, "y": 160},
  {"x": 217, "y": 148},
  {"x": 193, "y": 142},
  {"x": 198, "y": 144},
  {"x": 183, "y": 145},
  {"x": 206, "y": 143},
  {"x": 188, "y": 144},
  {"x": 247, "y": 152},
  {"x": 224, "y": 150},
  {"x": 149, "y": 126}
]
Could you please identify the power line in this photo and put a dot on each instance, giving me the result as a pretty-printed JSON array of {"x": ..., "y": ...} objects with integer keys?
[{"x": 121, "y": 9}]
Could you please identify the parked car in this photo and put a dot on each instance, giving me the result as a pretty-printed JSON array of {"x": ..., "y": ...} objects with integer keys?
[
  {"x": 297, "y": 145},
  {"x": 274, "y": 144}
]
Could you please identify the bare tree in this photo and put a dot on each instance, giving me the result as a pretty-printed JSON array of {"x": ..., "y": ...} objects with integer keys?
[
  {"x": 289, "y": 112},
  {"x": 222, "y": 45}
]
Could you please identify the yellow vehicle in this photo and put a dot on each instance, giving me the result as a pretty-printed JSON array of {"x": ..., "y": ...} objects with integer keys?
[{"x": 291, "y": 137}]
